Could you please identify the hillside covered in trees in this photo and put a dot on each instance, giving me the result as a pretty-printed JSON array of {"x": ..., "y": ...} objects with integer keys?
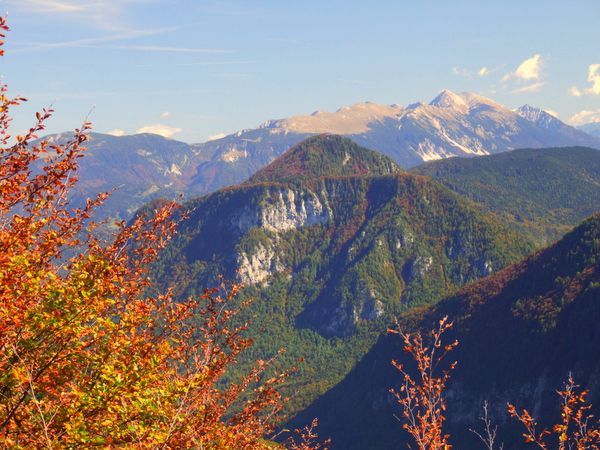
[
  {"x": 520, "y": 333},
  {"x": 540, "y": 192}
]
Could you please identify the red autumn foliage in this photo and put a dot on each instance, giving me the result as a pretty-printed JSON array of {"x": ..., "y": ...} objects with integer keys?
[
  {"x": 424, "y": 406},
  {"x": 87, "y": 357},
  {"x": 422, "y": 397},
  {"x": 578, "y": 430}
]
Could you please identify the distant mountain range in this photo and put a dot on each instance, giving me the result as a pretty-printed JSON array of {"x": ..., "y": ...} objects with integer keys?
[
  {"x": 592, "y": 129},
  {"x": 145, "y": 166},
  {"x": 450, "y": 125},
  {"x": 521, "y": 332},
  {"x": 135, "y": 169}
]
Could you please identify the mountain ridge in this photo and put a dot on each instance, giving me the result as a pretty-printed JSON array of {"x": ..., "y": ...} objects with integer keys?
[
  {"x": 541, "y": 192},
  {"x": 475, "y": 125}
]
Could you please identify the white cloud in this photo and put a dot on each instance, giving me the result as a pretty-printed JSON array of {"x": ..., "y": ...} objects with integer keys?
[
  {"x": 594, "y": 78},
  {"x": 165, "y": 114},
  {"x": 462, "y": 72},
  {"x": 575, "y": 91},
  {"x": 116, "y": 132},
  {"x": 160, "y": 129},
  {"x": 534, "y": 87},
  {"x": 585, "y": 116},
  {"x": 530, "y": 69},
  {"x": 552, "y": 112},
  {"x": 214, "y": 137}
]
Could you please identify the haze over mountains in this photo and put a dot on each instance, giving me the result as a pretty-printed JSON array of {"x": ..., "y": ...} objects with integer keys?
[
  {"x": 145, "y": 166},
  {"x": 591, "y": 128}
]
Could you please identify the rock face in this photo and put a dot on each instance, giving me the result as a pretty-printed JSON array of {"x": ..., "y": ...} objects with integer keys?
[
  {"x": 281, "y": 210},
  {"x": 258, "y": 266},
  {"x": 289, "y": 212},
  {"x": 368, "y": 242}
]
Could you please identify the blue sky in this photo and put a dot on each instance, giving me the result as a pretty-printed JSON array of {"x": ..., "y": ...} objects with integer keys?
[{"x": 191, "y": 69}]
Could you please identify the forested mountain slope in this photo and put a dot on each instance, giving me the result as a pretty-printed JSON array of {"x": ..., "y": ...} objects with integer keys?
[{"x": 521, "y": 332}]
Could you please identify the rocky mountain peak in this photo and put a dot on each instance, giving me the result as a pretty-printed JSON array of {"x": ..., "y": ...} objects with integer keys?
[
  {"x": 448, "y": 99},
  {"x": 537, "y": 116}
]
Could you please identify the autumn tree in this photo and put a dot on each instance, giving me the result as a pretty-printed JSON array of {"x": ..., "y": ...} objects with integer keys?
[
  {"x": 422, "y": 396},
  {"x": 424, "y": 407},
  {"x": 577, "y": 430},
  {"x": 87, "y": 357}
]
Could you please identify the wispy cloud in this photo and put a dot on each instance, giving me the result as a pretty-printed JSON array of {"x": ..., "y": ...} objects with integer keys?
[
  {"x": 354, "y": 81},
  {"x": 101, "y": 14},
  {"x": 190, "y": 64},
  {"x": 284, "y": 40},
  {"x": 106, "y": 42},
  {"x": 483, "y": 72},
  {"x": 585, "y": 116},
  {"x": 160, "y": 129},
  {"x": 94, "y": 42},
  {"x": 232, "y": 76},
  {"x": 49, "y": 6},
  {"x": 466, "y": 73},
  {"x": 461, "y": 72},
  {"x": 594, "y": 78},
  {"x": 534, "y": 87},
  {"x": 575, "y": 91},
  {"x": 214, "y": 137},
  {"x": 163, "y": 49},
  {"x": 116, "y": 132},
  {"x": 54, "y": 97}
]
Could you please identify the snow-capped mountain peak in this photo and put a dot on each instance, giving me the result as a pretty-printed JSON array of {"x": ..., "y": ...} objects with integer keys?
[{"x": 448, "y": 99}]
